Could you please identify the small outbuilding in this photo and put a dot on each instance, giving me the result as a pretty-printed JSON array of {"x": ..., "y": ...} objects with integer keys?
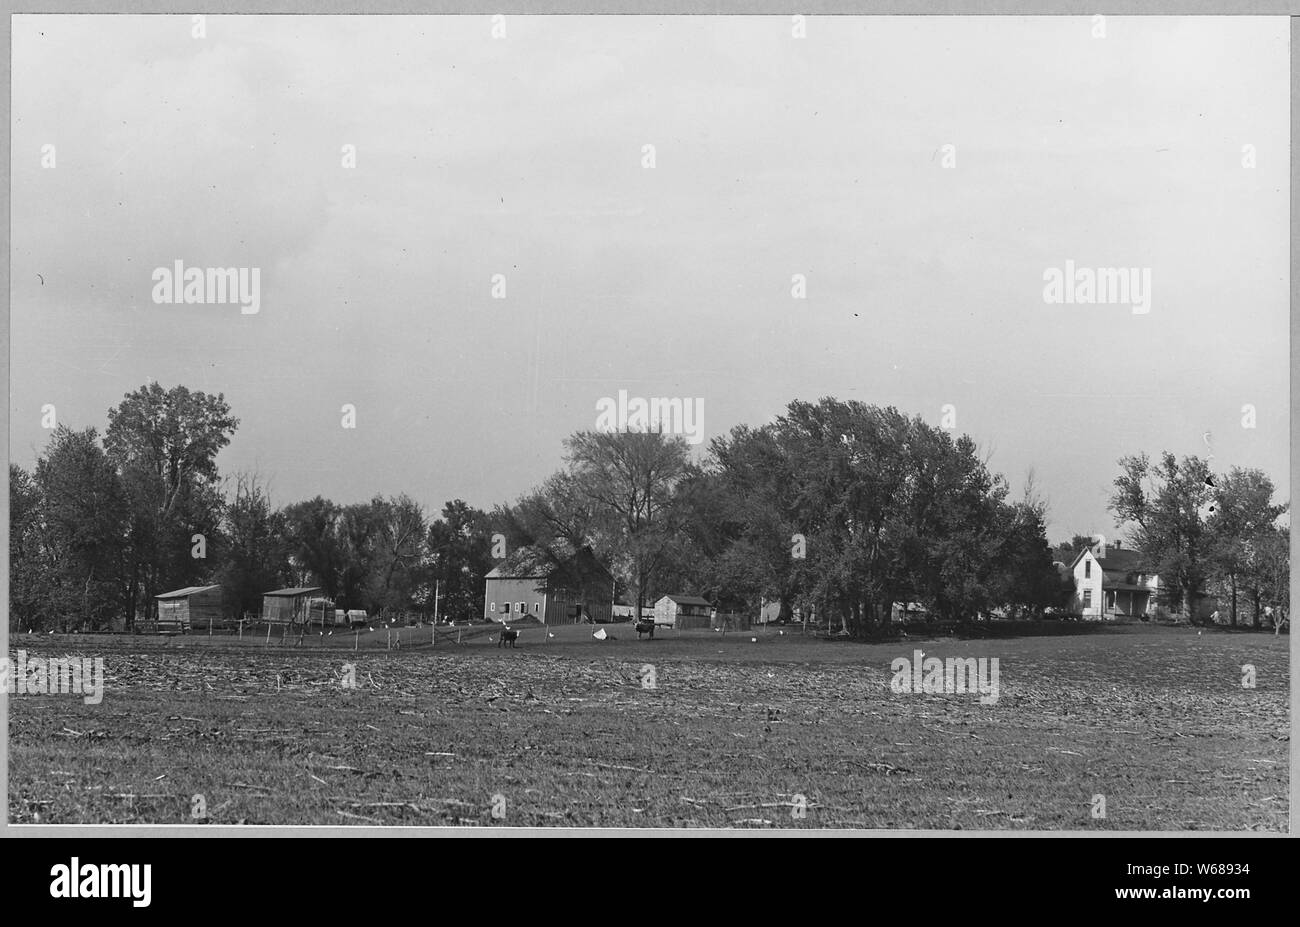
[
  {"x": 288, "y": 606},
  {"x": 198, "y": 608},
  {"x": 684, "y": 612}
]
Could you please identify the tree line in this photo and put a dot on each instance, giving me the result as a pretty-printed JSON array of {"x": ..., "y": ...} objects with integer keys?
[
  {"x": 101, "y": 526},
  {"x": 837, "y": 507},
  {"x": 1206, "y": 534}
]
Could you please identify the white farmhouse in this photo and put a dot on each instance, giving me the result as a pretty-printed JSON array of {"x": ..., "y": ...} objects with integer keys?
[{"x": 1111, "y": 581}]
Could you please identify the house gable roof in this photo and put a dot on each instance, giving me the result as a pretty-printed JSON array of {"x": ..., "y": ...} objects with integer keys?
[
  {"x": 688, "y": 599},
  {"x": 187, "y": 591},
  {"x": 1117, "y": 560}
]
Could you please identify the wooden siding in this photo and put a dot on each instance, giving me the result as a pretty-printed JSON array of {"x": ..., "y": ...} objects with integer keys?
[
  {"x": 283, "y": 609},
  {"x": 543, "y": 604},
  {"x": 197, "y": 611},
  {"x": 682, "y": 616}
]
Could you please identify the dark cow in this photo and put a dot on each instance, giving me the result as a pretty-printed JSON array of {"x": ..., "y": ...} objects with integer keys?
[
  {"x": 645, "y": 626},
  {"x": 508, "y": 637}
]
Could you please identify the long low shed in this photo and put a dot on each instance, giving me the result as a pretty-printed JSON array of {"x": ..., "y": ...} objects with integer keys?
[
  {"x": 684, "y": 612},
  {"x": 196, "y": 608},
  {"x": 288, "y": 606}
]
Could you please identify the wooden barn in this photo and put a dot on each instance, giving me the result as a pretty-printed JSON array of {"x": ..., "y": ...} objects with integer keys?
[
  {"x": 288, "y": 606},
  {"x": 555, "y": 585},
  {"x": 197, "y": 608}
]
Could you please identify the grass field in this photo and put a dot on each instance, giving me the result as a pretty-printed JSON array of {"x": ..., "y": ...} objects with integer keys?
[{"x": 565, "y": 731}]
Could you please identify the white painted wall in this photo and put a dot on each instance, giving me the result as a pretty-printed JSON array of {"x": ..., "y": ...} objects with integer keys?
[{"x": 1088, "y": 575}]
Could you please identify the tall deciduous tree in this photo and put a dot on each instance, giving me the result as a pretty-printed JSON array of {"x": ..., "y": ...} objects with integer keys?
[
  {"x": 957, "y": 508},
  {"x": 314, "y": 544},
  {"x": 253, "y": 551},
  {"x": 555, "y": 514},
  {"x": 460, "y": 555},
  {"x": 850, "y": 467},
  {"x": 165, "y": 445},
  {"x": 627, "y": 482},
  {"x": 358, "y": 533},
  {"x": 744, "y": 520},
  {"x": 83, "y": 522},
  {"x": 1027, "y": 581},
  {"x": 28, "y": 567},
  {"x": 854, "y": 507},
  {"x": 1166, "y": 506},
  {"x": 398, "y": 554},
  {"x": 1243, "y": 517}
]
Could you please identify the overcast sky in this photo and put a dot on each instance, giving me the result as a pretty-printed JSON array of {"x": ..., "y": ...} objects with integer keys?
[{"x": 774, "y": 156}]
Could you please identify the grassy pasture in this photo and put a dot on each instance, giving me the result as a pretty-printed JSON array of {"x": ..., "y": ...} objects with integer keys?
[{"x": 567, "y": 732}]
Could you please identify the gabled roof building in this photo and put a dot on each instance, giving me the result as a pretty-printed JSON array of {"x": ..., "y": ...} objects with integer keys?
[{"x": 549, "y": 584}]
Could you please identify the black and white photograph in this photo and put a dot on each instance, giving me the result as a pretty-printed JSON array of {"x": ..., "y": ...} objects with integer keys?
[{"x": 627, "y": 423}]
